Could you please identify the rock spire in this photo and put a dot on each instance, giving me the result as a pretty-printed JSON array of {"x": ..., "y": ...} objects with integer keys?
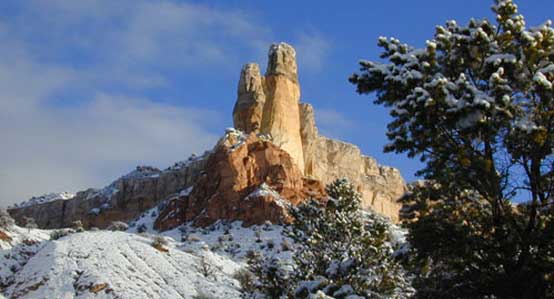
[{"x": 273, "y": 107}]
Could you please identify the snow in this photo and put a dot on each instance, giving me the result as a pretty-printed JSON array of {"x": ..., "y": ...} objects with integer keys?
[
  {"x": 126, "y": 264},
  {"x": 186, "y": 191},
  {"x": 262, "y": 191},
  {"x": 431, "y": 44},
  {"x": 344, "y": 290},
  {"x": 35, "y": 200},
  {"x": 497, "y": 59},
  {"x": 238, "y": 136},
  {"x": 525, "y": 125},
  {"x": 279, "y": 47},
  {"x": 94, "y": 211},
  {"x": 15, "y": 253},
  {"x": 541, "y": 80},
  {"x": 231, "y": 240}
]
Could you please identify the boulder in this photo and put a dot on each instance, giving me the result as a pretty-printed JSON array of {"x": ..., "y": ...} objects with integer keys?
[{"x": 5, "y": 237}]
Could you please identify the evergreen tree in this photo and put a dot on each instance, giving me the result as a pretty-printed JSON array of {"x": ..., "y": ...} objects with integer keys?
[
  {"x": 339, "y": 253},
  {"x": 476, "y": 105},
  {"x": 272, "y": 278},
  {"x": 5, "y": 219},
  {"x": 30, "y": 223}
]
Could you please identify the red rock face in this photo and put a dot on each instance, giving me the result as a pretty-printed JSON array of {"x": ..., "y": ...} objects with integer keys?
[
  {"x": 252, "y": 182},
  {"x": 5, "y": 237}
]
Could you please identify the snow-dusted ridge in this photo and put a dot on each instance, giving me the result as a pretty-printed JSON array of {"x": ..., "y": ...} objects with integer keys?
[
  {"x": 140, "y": 172},
  {"x": 35, "y": 200}
]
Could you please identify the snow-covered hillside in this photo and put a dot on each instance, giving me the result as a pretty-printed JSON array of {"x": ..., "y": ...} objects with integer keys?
[
  {"x": 106, "y": 264},
  {"x": 114, "y": 264},
  {"x": 17, "y": 246}
]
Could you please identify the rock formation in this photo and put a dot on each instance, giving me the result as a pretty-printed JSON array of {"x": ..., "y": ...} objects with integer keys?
[
  {"x": 246, "y": 178},
  {"x": 278, "y": 159},
  {"x": 327, "y": 159},
  {"x": 281, "y": 118},
  {"x": 247, "y": 114},
  {"x": 291, "y": 126},
  {"x": 272, "y": 101}
]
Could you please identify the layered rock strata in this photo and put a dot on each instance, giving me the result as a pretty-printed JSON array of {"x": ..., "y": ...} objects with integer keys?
[{"x": 327, "y": 159}]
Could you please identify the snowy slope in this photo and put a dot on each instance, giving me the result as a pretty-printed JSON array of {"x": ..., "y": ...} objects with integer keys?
[
  {"x": 125, "y": 265},
  {"x": 227, "y": 239},
  {"x": 107, "y": 264},
  {"x": 19, "y": 246}
]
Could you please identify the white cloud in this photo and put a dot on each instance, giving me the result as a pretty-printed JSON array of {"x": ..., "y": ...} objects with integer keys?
[
  {"x": 55, "y": 148},
  {"x": 136, "y": 41},
  {"x": 70, "y": 149},
  {"x": 104, "y": 54}
]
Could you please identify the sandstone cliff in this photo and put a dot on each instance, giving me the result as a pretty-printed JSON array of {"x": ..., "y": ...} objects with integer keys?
[
  {"x": 247, "y": 113},
  {"x": 328, "y": 159}
]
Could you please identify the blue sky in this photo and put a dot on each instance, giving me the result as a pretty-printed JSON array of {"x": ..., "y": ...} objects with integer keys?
[{"x": 89, "y": 89}]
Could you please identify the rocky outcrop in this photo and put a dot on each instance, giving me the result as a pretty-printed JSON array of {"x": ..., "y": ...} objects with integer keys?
[
  {"x": 247, "y": 178},
  {"x": 123, "y": 200},
  {"x": 247, "y": 113},
  {"x": 281, "y": 118},
  {"x": 4, "y": 237},
  {"x": 327, "y": 159},
  {"x": 270, "y": 104},
  {"x": 380, "y": 186},
  {"x": 292, "y": 126}
]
